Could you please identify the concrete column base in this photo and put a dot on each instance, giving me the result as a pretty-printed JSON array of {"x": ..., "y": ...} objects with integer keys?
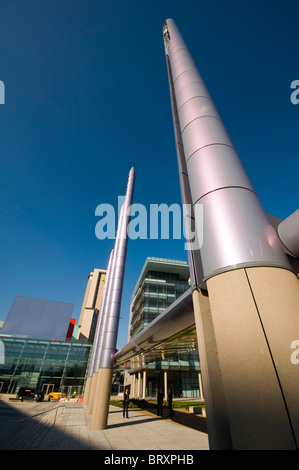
[
  {"x": 92, "y": 392},
  {"x": 213, "y": 391},
  {"x": 101, "y": 402},
  {"x": 255, "y": 316},
  {"x": 87, "y": 390}
]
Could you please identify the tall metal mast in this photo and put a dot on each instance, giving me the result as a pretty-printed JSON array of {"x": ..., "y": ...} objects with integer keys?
[
  {"x": 108, "y": 339},
  {"x": 246, "y": 295}
]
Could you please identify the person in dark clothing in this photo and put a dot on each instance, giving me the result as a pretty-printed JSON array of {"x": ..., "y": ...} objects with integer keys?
[
  {"x": 160, "y": 399},
  {"x": 169, "y": 398},
  {"x": 126, "y": 402}
]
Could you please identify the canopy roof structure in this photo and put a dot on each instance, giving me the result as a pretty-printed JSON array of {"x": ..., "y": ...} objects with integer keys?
[{"x": 172, "y": 331}]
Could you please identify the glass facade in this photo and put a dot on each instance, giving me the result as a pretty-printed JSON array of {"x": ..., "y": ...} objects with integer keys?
[
  {"x": 43, "y": 364},
  {"x": 183, "y": 384},
  {"x": 160, "y": 283},
  {"x": 159, "y": 289}
]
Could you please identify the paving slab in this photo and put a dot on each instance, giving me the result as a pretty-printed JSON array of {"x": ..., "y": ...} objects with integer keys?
[{"x": 66, "y": 426}]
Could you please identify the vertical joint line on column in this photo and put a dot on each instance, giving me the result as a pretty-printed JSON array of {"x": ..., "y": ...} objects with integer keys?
[{"x": 272, "y": 359}]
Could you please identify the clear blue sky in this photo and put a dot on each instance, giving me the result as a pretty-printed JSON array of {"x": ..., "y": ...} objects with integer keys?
[{"x": 87, "y": 97}]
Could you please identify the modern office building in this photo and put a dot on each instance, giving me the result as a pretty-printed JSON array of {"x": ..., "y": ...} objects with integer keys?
[
  {"x": 41, "y": 346},
  {"x": 61, "y": 364},
  {"x": 160, "y": 283},
  {"x": 43, "y": 364},
  {"x": 91, "y": 304},
  {"x": 176, "y": 365}
]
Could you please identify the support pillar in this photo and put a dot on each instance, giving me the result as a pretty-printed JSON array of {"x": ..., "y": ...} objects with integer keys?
[
  {"x": 92, "y": 393},
  {"x": 144, "y": 384},
  {"x": 133, "y": 385},
  {"x": 139, "y": 385},
  {"x": 87, "y": 390},
  {"x": 110, "y": 326},
  {"x": 217, "y": 419},
  {"x": 165, "y": 385},
  {"x": 200, "y": 386},
  {"x": 254, "y": 347},
  {"x": 101, "y": 408},
  {"x": 245, "y": 335}
]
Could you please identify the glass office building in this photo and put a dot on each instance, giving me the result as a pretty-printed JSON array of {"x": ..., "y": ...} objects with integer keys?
[
  {"x": 176, "y": 364},
  {"x": 43, "y": 364},
  {"x": 39, "y": 345},
  {"x": 160, "y": 283}
]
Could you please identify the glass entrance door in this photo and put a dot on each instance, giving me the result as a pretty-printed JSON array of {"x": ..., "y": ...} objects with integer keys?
[{"x": 47, "y": 388}]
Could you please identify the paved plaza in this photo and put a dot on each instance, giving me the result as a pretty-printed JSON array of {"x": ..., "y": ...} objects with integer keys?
[{"x": 66, "y": 426}]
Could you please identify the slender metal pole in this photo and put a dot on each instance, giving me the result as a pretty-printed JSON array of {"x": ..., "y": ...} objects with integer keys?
[
  {"x": 99, "y": 326},
  {"x": 89, "y": 387},
  {"x": 108, "y": 297},
  {"x": 114, "y": 306},
  {"x": 110, "y": 331},
  {"x": 99, "y": 349}
]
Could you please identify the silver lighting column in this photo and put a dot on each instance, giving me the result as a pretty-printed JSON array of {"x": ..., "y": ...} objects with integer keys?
[
  {"x": 95, "y": 348},
  {"x": 88, "y": 392},
  {"x": 108, "y": 346},
  {"x": 100, "y": 339},
  {"x": 114, "y": 305},
  {"x": 246, "y": 294},
  {"x": 102, "y": 330},
  {"x": 108, "y": 297},
  {"x": 243, "y": 234}
]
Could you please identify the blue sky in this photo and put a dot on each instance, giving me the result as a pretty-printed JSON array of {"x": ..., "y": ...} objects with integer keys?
[{"x": 86, "y": 98}]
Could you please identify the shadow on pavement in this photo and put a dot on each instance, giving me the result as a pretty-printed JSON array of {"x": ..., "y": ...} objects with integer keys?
[
  {"x": 19, "y": 433},
  {"x": 130, "y": 422}
]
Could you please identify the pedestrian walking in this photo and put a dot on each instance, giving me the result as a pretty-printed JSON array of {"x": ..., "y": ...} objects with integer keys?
[{"x": 126, "y": 402}]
